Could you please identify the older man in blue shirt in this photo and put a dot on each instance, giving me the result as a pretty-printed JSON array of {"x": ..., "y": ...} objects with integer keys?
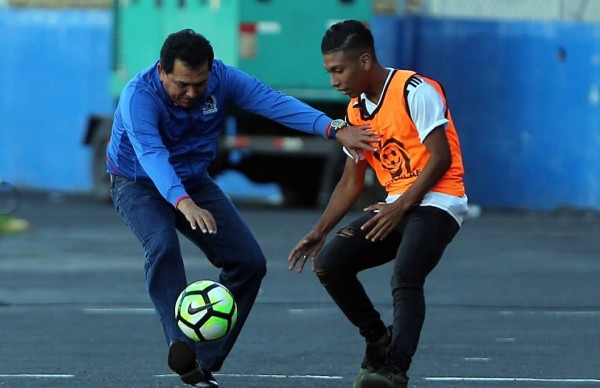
[{"x": 164, "y": 136}]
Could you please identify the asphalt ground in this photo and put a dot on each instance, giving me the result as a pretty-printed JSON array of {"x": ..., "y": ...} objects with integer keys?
[{"x": 515, "y": 302}]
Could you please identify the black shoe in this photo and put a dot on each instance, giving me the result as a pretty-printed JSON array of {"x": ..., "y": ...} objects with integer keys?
[
  {"x": 208, "y": 376},
  {"x": 386, "y": 377},
  {"x": 182, "y": 360},
  {"x": 374, "y": 359}
]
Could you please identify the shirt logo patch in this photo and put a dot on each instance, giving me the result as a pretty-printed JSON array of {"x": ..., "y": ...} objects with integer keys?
[
  {"x": 210, "y": 105},
  {"x": 393, "y": 157}
]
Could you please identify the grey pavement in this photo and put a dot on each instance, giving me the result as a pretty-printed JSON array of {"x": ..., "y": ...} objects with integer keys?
[{"x": 515, "y": 302}]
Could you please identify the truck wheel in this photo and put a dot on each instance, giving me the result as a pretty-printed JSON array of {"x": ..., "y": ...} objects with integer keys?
[
  {"x": 100, "y": 179},
  {"x": 332, "y": 170}
]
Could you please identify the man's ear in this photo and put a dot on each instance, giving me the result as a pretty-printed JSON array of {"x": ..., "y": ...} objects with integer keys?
[{"x": 366, "y": 61}]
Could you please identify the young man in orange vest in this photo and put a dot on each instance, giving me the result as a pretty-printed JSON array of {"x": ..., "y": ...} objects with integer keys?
[{"x": 418, "y": 161}]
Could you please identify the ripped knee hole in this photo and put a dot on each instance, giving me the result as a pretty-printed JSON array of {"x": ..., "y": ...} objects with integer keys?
[{"x": 346, "y": 231}]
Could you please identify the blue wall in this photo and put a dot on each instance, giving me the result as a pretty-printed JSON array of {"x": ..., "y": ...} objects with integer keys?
[
  {"x": 55, "y": 72},
  {"x": 529, "y": 120},
  {"x": 528, "y": 116}
]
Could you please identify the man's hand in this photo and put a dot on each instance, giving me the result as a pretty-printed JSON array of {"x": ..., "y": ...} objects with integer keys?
[
  {"x": 197, "y": 217},
  {"x": 389, "y": 217},
  {"x": 355, "y": 138},
  {"x": 306, "y": 249}
]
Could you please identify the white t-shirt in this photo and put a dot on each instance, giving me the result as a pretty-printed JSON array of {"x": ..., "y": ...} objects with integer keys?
[{"x": 427, "y": 111}]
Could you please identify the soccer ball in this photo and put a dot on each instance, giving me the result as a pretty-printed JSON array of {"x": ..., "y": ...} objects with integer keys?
[{"x": 205, "y": 311}]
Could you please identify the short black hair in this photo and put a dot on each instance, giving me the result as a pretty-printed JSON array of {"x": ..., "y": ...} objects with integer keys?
[
  {"x": 350, "y": 36},
  {"x": 189, "y": 47}
]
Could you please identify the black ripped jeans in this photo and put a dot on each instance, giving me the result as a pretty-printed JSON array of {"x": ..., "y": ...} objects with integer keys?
[{"x": 416, "y": 245}]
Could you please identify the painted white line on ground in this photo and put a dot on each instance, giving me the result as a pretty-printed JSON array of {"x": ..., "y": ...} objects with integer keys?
[
  {"x": 268, "y": 376},
  {"x": 36, "y": 376},
  {"x": 318, "y": 310},
  {"x": 477, "y": 359},
  {"x": 591, "y": 313},
  {"x": 505, "y": 339},
  {"x": 513, "y": 379},
  {"x": 579, "y": 313},
  {"x": 315, "y": 377},
  {"x": 118, "y": 311}
]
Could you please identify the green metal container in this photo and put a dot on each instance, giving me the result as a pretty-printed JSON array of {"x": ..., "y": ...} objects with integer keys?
[{"x": 277, "y": 41}]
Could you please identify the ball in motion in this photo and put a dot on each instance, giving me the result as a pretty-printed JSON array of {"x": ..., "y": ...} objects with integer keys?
[{"x": 205, "y": 311}]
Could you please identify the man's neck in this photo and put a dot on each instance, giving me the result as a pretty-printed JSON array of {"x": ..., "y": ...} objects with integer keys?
[{"x": 374, "y": 91}]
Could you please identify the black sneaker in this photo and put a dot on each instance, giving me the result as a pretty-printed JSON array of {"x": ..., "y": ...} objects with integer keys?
[
  {"x": 385, "y": 377},
  {"x": 210, "y": 379},
  {"x": 374, "y": 359},
  {"x": 182, "y": 360}
]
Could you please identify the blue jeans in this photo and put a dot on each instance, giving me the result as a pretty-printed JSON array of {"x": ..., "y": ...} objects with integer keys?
[
  {"x": 155, "y": 223},
  {"x": 416, "y": 247}
]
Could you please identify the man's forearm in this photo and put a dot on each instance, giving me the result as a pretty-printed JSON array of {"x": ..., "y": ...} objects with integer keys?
[{"x": 342, "y": 199}]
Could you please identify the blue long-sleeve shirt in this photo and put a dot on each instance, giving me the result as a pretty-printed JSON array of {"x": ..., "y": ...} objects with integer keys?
[{"x": 155, "y": 140}]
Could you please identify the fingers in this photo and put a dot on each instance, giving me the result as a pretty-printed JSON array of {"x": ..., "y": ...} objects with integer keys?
[
  {"x": 365, "y": 139},
  {"x": 197, "y": 217},
  {"x": 210, "y": 223},
  {"x": 363, "y": 145},
  {"x": 354, "y": 154},
  {"x": 298, "y": 259},
  {"x": 293, "y": 259},
  {"x": 204, "y": 221},
  {"x": 371, "y": 208},
  {"x": 306, "y": 249},
  {"x": 297, "y": 251},
  {"x": 204, "y": 226},
  {"x": 367, "y": 225},
  {"x": 358, "y": 138},
  {"x": 295, "y": 255},
  {"x": 368, "y": 134},
  {"x": 293, "y": 262},
  {"x": 379, "y": 231},
  {"x": 366, "y": 142},
  {"x": 302, "y": 263},
  {"x": 374, "y": 234},
  {"x": 379, "y": 227}
]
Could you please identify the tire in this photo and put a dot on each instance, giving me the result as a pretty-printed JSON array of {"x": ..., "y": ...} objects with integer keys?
[{"x": 100, "y": 178}]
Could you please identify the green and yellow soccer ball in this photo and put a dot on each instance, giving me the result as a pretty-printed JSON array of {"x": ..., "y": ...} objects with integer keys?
[{"x": 205, "y": 311}]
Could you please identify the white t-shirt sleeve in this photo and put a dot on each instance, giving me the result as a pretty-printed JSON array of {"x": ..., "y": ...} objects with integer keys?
[{"x": 426, "y": 108}]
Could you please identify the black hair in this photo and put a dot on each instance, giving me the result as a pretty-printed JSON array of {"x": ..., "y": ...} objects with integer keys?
[
  {"x": 189, "y": 47},
  {"x": 351, "y": 37}
]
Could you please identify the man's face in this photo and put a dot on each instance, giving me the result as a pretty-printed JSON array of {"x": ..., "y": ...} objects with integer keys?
[
  {"x": 348, "y": 75},
  {"x": 184, "y": 85}
]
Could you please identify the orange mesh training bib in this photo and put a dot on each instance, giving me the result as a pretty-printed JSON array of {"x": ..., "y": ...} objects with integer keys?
[{"x": 400, "y": 156}]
